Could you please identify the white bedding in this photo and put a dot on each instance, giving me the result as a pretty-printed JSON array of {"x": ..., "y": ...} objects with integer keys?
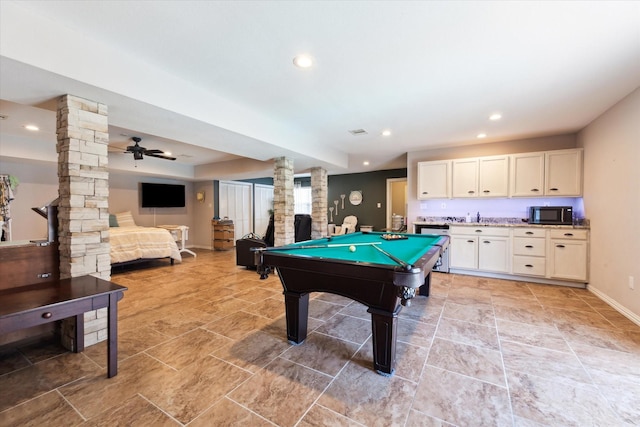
[{"x": 132, "y": 243}]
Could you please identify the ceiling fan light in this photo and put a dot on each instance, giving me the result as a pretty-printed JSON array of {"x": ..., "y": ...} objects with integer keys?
[{"x": 137, "y": 155}]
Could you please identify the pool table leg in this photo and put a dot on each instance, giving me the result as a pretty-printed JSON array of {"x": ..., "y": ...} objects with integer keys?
[
  {"x": 424, "y": 289},
  {"x": 297, "y": 308},
  {"x": 384, "y": 327}
]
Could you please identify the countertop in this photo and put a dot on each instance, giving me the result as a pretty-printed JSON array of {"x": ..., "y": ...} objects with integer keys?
[{"x": 496, "y": 222}]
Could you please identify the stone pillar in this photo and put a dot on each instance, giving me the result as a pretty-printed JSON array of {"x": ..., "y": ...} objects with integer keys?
[
  {"x": 83, "y": 208},
  {"x": 319, "y": 197},
  {"x": 283, "y": 202}
]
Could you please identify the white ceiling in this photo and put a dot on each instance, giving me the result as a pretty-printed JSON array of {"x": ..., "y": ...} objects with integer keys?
[{"x": 214, "y": 82}]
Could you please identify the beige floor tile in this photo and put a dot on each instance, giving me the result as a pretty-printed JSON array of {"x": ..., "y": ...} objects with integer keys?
[
  {"x": 281, "y": 392},
  {"x": 480, "y": 313},
  {"x": 254, "y": 351},
  {"x": 237, "y": 325},
  {"x": 228, "y": 413},
  {"x": 323, "y": 310},
  {"x": 319, "y": 416},
  {"x": 410, "y": 359},
  {"x": 11, "y": 360},
  {"x": 422, "y": 309},
  {"x": 553, "y": 403},
  {"x": 476, "y": 362},
  {"x": 355, "y": 309},
  {"x": 415, "y": 333},
  {"x": 346, "y": 328},
  {"x": 418, "y": 419},
  {"x": 468, "y": 333},
  {"x": 461, "y": 400},
  {"x": 191, "y": 391},
  {"x": 563, "y": 317},
  {"x": 272, "y": 308},
  {"x": 540, "y": 336},
  {"x": 187, "y": 349},
  {"x": 49, "y": 409},
  {"x": 135, "y": 411},
  {"x": 322, "y": 352},
  {"x": 531, "y": 315},
  {"x": 369, "y": 398}
]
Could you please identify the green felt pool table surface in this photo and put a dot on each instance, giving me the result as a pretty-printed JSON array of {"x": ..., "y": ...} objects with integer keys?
[{"x": 408, "y": 250}]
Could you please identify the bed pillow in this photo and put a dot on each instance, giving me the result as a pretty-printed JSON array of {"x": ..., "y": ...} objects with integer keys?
[
  {"x": 113, "y": 221},
  {"x": 125, "y": 219}
]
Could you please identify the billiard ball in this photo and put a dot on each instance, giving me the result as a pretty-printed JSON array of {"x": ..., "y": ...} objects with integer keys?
[{"x": 352, "y": 248}]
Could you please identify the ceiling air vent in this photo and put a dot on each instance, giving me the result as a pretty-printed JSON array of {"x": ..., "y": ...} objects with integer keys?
[{"x": 357, "y": 132}]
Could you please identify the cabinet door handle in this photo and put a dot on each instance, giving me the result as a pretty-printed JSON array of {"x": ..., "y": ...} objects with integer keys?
[
  {"x": 528, "y": 265},
  {"x": 47, "y": 315},
  {"x": 486, "y": 241},
  {"x": 529, "y": 247},
  {"x": 478, "y": 231},
  {"x": 486, "y": 191},
  {"x": 568, "y": 234},
  {"x": 529, "y": 232},
  {"x": 559, "y": 246},
  {"x": 553, "y": 189},
  {"x": 535, "y": 190},
  {"x": 44, "y": 275},
  {"x": 470, "y": 191},
  {"x": 425, "y": 192},
  {"x": 471, "y": 241}
]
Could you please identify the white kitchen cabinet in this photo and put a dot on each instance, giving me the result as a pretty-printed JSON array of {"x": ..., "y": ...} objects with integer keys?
[
  {"x": 529, "y": 252},
  {"x": 493, "y": 176},
  {"x": 464, "y": 252},
  {"x": 434, "y": 180},
  {"x": 527, "y": 174},
  {"x": 480, "y": 248},
  {"x": 567, "y": 254},
  {"x": 563, "y": 173},
  {"x": 465, "y": 177}
]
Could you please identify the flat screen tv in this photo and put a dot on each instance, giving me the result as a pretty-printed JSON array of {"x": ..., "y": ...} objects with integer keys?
[{"x": 162, "y": 195}]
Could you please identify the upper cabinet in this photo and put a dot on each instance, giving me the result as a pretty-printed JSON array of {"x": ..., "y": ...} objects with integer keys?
[
  {"x": 563, "y": 173},
  {"x": 550, "y": 173},
  {"x": 527, "y": 175},
  {"x": 481, "y": 177},
  {"x": 434, "y": 180}
]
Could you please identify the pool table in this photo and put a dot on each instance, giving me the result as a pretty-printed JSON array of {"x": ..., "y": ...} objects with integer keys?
[{"x": 380, "y": 270}]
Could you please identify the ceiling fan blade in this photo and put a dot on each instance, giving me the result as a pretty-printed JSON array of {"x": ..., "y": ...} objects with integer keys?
[
  {"x": 160, "y": 156},
  {"x": 153, "y": 151}
]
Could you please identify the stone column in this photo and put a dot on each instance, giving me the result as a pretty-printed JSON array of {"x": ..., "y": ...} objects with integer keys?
[
  {"x": 283, "y": 202},
  {"x": 319, "y": 197},
  {"x": 83, "y": 208}
]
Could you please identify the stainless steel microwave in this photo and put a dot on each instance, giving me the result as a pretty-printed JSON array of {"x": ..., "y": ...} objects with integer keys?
[{"x": 552, "y": 215}]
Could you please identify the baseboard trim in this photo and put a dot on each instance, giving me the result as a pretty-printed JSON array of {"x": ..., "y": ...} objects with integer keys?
[
  {"x": 529, "y": 279},
  {"x": 616, "y": 305}
]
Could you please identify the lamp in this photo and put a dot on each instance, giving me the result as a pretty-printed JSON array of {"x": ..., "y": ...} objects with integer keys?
[{"x": 200, "y": 196}]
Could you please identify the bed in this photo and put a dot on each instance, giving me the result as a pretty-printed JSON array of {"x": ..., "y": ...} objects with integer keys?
[{"x": 130, "y": 242}]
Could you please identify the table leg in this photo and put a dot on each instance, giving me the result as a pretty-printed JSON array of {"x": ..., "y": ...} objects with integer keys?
[
  {"x": 384, "y": 327},
  {"x": 297, "y": 308},
  {"x": 79, "y": 333},
  {"x": 425, "y": 288},
  {"x": 112, "y": 339}
]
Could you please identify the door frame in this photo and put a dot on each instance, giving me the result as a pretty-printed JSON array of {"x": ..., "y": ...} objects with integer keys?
[{"x": 390, "y": 182}]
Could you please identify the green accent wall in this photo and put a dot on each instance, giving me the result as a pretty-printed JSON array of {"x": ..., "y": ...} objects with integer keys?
[{"x": 374, "y": 190}]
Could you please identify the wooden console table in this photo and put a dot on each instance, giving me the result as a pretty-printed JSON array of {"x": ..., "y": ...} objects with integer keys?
[{"x": 37, "y": 304}]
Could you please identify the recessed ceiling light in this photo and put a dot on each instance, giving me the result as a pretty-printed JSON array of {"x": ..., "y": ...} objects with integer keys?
[
  {"x": 495, "y": 116},
  {"x": 386, "y": 132},
  {"x": 167, "y": 153},
  {"x": 482, "y": 135},
  {"x": 32, "y": 127},
  {"x": 366, "y": 163},
  {"x": 303, "y": 61}
]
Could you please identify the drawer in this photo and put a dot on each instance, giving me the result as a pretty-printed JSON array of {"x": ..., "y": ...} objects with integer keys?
[
  {"x": 43, "y": 315},
  {"x": 480, "y": 231},
  {"x": 529, "y": 232},
  {"x": 569, "y": 234},
  {"x": 529, "y": 266},
  {"x": 223, "y": 234},
  {"x": 529, "y": 246},
  {"x": 223, "y": 244}
]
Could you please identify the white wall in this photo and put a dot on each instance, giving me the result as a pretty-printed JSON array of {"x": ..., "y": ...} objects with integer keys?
[{"x": 612, "y": 200}]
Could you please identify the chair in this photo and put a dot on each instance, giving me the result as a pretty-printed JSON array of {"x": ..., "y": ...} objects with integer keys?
[{"x": 348, "y": 225}]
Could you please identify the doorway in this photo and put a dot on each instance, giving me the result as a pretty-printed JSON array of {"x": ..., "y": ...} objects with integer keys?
[{"x": 396, "y": 200}]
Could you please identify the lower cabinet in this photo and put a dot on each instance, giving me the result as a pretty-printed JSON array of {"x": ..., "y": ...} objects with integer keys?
[
  {"x": 481, "y": 248},
  {"x": 568, "y": 253},
  {"x": 540, "y": 252}
]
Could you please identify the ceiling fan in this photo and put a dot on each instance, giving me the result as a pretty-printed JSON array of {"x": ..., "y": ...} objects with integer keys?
[{"x": 139, "y": 151}]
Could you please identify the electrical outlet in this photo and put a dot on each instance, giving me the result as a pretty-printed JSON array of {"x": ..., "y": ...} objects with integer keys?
[
  {"x": 379, "y": 205},
  {"x": 632, "y": 285},
  {"x": 545, "y": 204},
  {"x": 443, "y": 206}
]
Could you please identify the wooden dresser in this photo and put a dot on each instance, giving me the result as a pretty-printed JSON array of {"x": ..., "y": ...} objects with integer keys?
[{"x": 222, "y": 235}]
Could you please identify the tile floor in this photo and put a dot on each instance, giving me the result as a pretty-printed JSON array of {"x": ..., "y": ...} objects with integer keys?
[{"x": 203, "y": 343}]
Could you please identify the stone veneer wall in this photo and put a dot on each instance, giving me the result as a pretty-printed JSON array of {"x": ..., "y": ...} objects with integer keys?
[
  {"x": 319, "y": 197},
  {"x": 83, "y": 209},
  {"x": 283, "y": 202}
]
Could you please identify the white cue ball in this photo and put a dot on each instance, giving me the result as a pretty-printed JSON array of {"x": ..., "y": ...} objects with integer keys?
[{"x": 352, "y": 248}]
